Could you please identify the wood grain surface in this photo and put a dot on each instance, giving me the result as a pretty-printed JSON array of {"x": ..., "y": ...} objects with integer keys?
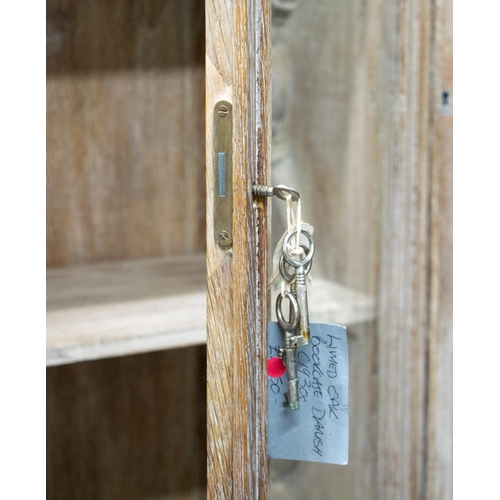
[
  {"x": 125, "y": 129},
  {"x": 125, "y": 181},
  {"x": 238, "y": 70},
  {"x": 123, "y": 307},
  {"x": 439, "y": 434},
  {"x": 128, "y": 428},
  {"x": 415, "y": 375},
  {"x": 367, "y": 140}
]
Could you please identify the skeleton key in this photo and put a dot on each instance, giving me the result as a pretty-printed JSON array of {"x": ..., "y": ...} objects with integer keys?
[
  {"x": 300, "y": 279},
  {"x": 296, "y": 330},
  {"x": 302, "y": 339},
  {"x": 289, "y": 353}
]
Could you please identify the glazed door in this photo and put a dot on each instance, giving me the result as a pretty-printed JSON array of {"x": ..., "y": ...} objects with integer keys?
[{"x": 361, "y": 116}]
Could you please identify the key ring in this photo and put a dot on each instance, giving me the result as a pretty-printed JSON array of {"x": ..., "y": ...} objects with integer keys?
[
  {"x": 290, "y": 325},
  {"x": 310, "y": 253},
  {"x": 284, "y": 272}
]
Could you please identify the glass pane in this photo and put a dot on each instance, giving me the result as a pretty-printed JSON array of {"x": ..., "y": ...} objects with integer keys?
[{"x": 322, "y": 146}]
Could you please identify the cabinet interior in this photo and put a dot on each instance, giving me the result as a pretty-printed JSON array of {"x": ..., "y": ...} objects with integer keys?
[{"x": 125, "y": 249}]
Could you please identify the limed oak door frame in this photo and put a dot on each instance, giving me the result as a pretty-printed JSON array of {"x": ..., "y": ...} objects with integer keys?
[{"x": 238, "y": 70}]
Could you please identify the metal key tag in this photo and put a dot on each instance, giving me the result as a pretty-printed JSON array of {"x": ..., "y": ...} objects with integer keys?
[{"x": 319, "y": 432}]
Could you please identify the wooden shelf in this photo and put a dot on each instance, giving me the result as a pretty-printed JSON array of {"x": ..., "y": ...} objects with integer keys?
[
  {"x": 331, "y": 302},
  {"x": 125, "y": 307}
]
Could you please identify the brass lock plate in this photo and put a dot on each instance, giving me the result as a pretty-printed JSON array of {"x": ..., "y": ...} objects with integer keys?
[{"x": 223, "y": 173}]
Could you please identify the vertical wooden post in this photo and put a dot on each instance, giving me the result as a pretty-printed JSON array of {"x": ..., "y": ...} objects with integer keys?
[
  {"x": 439, "y": 435},
  {"x": 414, "y": 341},
  {"x": 238, "y": 70}
]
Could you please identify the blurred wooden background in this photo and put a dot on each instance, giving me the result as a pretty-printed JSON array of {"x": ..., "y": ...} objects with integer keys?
[{"x": 364, "y": 129}]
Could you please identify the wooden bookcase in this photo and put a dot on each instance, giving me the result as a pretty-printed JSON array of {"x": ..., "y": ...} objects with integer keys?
[{"x": 138, "y": 408}]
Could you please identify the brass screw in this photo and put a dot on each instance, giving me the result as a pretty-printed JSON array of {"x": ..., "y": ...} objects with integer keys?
[
  {"x": 222, "y": 111},
  {"x": 224, "y": 235}
]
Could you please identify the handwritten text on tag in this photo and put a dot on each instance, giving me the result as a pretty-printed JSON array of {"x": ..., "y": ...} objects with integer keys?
[{"x": 319, "y": 430}]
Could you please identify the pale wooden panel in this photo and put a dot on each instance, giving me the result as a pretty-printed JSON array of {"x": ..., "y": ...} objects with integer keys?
[
  {"x": 238, "y": 69},
  {"x": 115, "y": 308},
  {"x": 125, "y": 129},
  {"x": 406, "y": 167},
  {"x": 128, "y": 428},
  {"x": 440, "y": 405}
]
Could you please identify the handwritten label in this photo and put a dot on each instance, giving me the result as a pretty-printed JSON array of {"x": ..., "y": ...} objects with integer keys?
[{"x": 319, "y": 430}]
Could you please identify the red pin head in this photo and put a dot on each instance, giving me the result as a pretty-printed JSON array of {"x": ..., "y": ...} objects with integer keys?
[{"x": 275, "y": 367}]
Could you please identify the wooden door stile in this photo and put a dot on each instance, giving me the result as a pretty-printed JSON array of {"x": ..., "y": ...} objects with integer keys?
[{"x": 238, "y": 70}]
